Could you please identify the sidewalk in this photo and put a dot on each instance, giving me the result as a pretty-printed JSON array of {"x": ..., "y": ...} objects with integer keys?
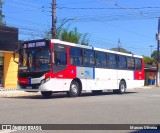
[
  {"x": 149, "y": 87},
  {"x": 15, "y": 92}
]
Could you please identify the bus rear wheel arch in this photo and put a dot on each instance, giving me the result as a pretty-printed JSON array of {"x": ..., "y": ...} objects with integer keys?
[
  {"x": 75, "y": 88},
  {"x": 122, "y": 88}
]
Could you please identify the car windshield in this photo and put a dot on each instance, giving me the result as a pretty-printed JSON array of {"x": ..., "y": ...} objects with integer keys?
[{"x": 34, "y": 60}]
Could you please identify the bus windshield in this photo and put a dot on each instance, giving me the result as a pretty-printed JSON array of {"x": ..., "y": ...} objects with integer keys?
[{"x": 34, "y": 60}]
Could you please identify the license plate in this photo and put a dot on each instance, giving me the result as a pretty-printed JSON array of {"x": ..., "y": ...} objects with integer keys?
[{"x": 28, "y": 87}]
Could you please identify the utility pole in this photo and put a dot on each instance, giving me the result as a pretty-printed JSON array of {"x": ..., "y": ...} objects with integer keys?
[
  {"x": 53, "y": 30},
  {"x": 119, "y": 43},
  {"x": 151, "y": 48},
  {"x": 158, "y": 50}
]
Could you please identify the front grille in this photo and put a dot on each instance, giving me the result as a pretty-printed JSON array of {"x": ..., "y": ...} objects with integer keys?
[
  {"x": 31, "y": 74},
  {"x": 29, "y": 86}
]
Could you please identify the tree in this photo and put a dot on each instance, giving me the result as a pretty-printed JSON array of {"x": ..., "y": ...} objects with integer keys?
[
  {"x": 1, "y": 14},
  {"x": 152, "y": 60},
  {"x": 147, "y": 60},
  {"x": 121, "y": 50},
  {"x": 73, "y": 36},
  {"x": 70, "y": 36},
  {"x": 154, "y": 54},
  {"x": 154, "y": 57}
]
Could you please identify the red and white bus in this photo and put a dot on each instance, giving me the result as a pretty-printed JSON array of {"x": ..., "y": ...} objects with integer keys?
[{"x": 52, "y": 66}]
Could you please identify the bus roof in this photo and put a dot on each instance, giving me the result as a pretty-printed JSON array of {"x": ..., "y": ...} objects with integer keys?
[{"x": 91, "y": 47}]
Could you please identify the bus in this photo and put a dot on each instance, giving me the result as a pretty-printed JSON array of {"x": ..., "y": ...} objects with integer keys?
[{"x": 50, "y": 66}]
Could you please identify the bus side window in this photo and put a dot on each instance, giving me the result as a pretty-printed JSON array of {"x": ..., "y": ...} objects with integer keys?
[
  {"x": 138, "y": 64},
  {"x": 101, "y": 59},
  {"x": 122, "y": 63},
  {"x": 79, "y": 57},
  {"x": 89, "y": 60},
  {"x": 130, "y": 63},
  {"x": 112, "y": 61},
  {"x": 76, "y": 56},
  {"x": 57, "y": 58},
  {"x": 60, "y": 58}
]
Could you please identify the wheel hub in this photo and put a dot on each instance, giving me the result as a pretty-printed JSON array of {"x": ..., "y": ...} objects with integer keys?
[{"x": 74, "y": 89}]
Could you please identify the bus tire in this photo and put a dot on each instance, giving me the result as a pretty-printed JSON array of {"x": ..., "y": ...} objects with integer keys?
[
  {"x": 46, "y": 94},
  {"x": 122, "y": 87},
  {"x": 74, "y": 89},
  {"x": 97, "y": 92}
]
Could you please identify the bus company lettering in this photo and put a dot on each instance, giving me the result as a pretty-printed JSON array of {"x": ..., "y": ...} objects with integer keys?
[
  {"x": 34, "y": 44},
  {"x": 60, "y": 76},
  {"x": 31, "y": 45},
  {"x": 136, "y": 127},
  {"x": 19, "y": 128},
  {"x": 150, "y": 127},
  {"x": 40, "y": 44},
  {"x": 143, "y": 128}
]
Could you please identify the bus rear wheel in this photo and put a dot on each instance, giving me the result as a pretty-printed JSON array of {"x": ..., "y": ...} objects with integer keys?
[
  {"x": 46, "y": 94},
  {"x": 122, "y": 87},
  {"x": 74, "y": 89}
]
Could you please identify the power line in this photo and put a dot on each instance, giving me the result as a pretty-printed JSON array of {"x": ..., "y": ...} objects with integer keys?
[
  {"x": 78, "y": 3},
  {"x": 122, "y": 7},
  {"x": 103, "y": 8},
  {"x": 40, "y": 4},
  {"x": 26, "y": 21},
  {"x": 119, "y": 16},
  {"x": 27, "y": 3},
  {"x": 101, "y": 40},
  {"x": 22, "y": 6},
  {"x": 40, "y": 7}
]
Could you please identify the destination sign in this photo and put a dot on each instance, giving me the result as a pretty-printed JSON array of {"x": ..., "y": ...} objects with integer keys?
[{"x": 34, "y": 44}]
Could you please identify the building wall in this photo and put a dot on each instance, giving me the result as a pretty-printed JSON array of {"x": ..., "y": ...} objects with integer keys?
[
  {"x": 1, "y": 67},
  {"x": 10, "y": 70},
  {"x": 8, "y": 38}
]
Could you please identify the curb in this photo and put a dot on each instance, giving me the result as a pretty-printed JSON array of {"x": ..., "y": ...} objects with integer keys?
[
  {"x": 16, "y": 93},
  {"x": 8, "y": 89},
  {"x": 11, "y": 92}
]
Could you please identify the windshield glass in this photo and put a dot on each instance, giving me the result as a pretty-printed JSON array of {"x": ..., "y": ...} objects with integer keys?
[{"x": 34, "y": 60}]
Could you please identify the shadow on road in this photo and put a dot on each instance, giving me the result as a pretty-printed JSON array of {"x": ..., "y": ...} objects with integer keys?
[{"x": 64, "y": 95}]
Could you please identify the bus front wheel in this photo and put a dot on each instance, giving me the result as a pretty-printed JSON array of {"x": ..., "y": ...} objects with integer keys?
[
  {"x": 46, "y": 94},
  {"x": 74, "y": 89}
]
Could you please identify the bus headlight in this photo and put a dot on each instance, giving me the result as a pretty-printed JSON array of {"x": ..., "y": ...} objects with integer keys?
[{"x": 44, "y": 81}]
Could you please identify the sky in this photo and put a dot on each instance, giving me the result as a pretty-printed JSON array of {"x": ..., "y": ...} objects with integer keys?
[{"x": 129, "y": 24}]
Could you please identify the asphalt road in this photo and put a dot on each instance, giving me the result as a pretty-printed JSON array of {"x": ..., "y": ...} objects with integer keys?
[{"x": 140, "y": 106}]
